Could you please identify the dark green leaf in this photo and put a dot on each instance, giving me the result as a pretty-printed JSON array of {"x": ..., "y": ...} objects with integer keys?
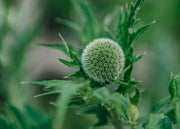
[
  {"x": 137, "y": 58},
  {"x": 135, "y": 35},
  {"x": 155, "y": 121},
  {"x": 103, "y": 95},
  {"x": 166, "y": 123},
  {"x": 75, "y": 61},
  {"x": 163, "y": 106},
  {"x": 19, "y": 116},
  {"x": 69, "y": 63},
  {"x": 135, "y": 99},
  {"x": 3, "y": 123},
  {"x": 121, "y": 104}
]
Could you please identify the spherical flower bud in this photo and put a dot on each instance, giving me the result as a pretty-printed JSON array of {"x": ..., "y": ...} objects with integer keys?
[
  {"x": 103, "y": 60},
  {"x": 134, "y": 113}
]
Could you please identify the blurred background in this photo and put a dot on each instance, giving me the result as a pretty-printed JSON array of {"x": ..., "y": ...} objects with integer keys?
[{"x": 24, "y": 23}]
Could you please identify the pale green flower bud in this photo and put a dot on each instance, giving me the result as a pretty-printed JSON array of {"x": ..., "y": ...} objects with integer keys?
[
  {"x": 103, "y": 60},
  {"x": 134, "y": 113}
]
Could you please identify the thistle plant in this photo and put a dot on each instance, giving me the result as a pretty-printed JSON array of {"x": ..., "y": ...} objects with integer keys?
[{"x": 103, "y": 85}]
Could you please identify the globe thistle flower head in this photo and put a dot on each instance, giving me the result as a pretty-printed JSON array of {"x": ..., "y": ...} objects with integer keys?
[{"x": 103, "y": 60}]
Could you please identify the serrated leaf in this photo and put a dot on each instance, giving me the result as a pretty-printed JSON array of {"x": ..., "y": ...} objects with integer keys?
[
  {"x": 134, "y": 36},
  {"x": 69, "y": 63},
  {"x": 133, "y": 11},
  {"x": 135, "y": 99},
  {"x": 75, "y": 61},
  {"x": 137, "y": 58}
]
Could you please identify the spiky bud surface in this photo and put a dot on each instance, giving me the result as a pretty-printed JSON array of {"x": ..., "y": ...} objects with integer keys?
[{"x": 103, "y": 60}]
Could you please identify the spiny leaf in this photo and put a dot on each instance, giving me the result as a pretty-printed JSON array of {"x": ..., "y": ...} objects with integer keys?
[
  {"x": 133, "y": 11},
  {"x": 137, "y": 58},
  {"x": 135, "y": 35},
  {"x": 75, "y": 61},
  {"x": 135, "y": 99},
  {"x": 69, "y": 63}
]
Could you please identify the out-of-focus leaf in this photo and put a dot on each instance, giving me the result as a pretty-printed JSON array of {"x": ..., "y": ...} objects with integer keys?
[
  {"x": 78, "y": 74},
  {"x": 155, "y": 121},
  {"x": 55, "y": 46},
  {"x": 3, "y": 123},
  {"x": 110, "y": 17},
  {"x": 68, "y": 23},
  {"x": 48, "y": 93},
  {"x": 103, "y": 95},
  {"x": 163, "y": 106},
  {"x": 63, "y": 100},
  {"x": 52, "y": 83},
  {"x": 100, "y": 112},
  {"x": 178, "y": 111},
  {"x": 19, "y": 116},
  {"x": 121, "y": 104}
]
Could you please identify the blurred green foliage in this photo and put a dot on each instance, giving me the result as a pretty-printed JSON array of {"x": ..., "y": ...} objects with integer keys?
[{"x": 22, "y": 20}]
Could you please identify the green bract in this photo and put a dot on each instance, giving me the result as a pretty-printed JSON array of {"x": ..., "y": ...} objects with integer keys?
[{"x": 103, "y": 60}]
